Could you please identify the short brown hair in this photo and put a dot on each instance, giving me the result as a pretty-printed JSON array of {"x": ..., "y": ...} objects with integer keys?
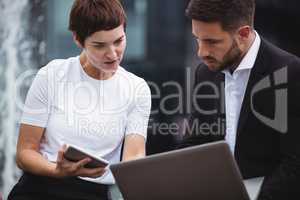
[
  {"x": 90, "y": 16},
  {"x": 229, "y": 13}
]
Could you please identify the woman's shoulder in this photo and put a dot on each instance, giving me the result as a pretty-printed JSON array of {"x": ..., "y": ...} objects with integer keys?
[
  {"x": 133, "y": 77},
  {"x": 58, "y": 68},
  {"x": 60, "y": 64}
]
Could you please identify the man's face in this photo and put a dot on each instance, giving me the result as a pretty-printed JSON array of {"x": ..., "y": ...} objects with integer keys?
[{"x": 217, "y": 48}]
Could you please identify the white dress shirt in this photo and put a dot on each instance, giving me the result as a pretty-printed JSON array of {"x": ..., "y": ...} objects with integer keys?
[{"x": 235, "y": 87}]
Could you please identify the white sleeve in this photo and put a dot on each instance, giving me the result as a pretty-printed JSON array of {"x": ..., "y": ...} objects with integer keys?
[
  {"x": 138, "y": 117},
  {"x": 36, "y": 109}
]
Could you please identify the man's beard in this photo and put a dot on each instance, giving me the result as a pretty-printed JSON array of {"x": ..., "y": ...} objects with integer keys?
[{"x": 231, "y": 58}]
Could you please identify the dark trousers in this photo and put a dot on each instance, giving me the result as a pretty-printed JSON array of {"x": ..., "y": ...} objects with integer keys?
[{"x": 32, "y": 187}]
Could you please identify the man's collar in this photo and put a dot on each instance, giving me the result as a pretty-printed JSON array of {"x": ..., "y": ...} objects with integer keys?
[{"x": 250, "y": 57}]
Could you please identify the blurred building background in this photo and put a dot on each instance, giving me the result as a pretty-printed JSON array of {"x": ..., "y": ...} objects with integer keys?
[{"x": 160, "y": 49}]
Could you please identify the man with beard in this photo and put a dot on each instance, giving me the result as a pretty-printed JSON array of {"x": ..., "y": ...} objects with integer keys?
[{"x": 251, "y": 85}]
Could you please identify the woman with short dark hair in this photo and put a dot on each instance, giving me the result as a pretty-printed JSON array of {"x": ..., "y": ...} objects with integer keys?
[{"x": 88, "y": 101}]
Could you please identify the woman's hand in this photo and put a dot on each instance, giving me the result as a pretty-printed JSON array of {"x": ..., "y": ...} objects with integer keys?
[{"x": 65, "y": 168}]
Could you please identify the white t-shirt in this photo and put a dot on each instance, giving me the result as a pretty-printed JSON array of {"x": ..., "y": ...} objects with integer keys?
[{"x": 94, "y": 115}]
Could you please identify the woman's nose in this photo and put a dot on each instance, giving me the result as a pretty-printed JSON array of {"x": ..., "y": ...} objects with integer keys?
[{"x": 112, "y": 53}]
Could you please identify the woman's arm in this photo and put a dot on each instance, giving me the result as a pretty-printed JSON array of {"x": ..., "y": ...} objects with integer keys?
[
  {"x": 137, "y": 124},
  {"x": 29, "y": 159},
  {"x": 134, "y": 147},
  {"x": 28, "y": 156}
]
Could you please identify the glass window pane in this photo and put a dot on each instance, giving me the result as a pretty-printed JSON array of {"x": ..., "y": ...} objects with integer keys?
[{"x": 59, "y": 39}]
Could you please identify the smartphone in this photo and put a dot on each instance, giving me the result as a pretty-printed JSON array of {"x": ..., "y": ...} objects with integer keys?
[{"x": 74, "y": 154}]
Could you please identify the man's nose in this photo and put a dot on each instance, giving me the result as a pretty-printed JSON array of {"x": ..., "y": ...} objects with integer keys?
[{"x": 202, "y": 51}]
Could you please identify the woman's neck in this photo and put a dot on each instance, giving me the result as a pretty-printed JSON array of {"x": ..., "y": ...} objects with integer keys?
[{"x": 93, "y": 71}]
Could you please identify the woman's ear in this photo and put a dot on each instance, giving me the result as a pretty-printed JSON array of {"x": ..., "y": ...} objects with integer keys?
[{"x": 76, "y": 40}]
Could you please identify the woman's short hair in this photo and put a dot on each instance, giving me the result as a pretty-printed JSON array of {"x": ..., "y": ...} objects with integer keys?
[{"x": 90, "y": 16}]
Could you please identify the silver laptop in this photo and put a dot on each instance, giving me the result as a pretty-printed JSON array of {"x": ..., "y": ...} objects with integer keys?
[{"x": 206, "y": 172}]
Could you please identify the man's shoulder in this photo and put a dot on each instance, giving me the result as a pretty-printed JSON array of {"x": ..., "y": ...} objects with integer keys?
[
  {"x": 272, "y": 58},
  {"x": 276, "y": 53},
  {"x": 203, "y": 73},
  {"x": 202, "y": 68}
]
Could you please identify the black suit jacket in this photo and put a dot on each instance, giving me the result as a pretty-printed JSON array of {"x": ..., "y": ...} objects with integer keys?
[{"x": 267, "y": 141}]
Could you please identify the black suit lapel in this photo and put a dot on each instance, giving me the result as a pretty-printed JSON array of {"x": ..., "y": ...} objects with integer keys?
[{"x": 257, "y": 73}]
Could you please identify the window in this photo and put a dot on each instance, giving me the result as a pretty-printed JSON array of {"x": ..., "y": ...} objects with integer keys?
[{"x": 60, "y": 42}]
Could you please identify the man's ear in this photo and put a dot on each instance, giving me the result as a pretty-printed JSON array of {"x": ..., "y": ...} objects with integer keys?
[
  {"x": 76, "y": 40},
  {"x": 244, "y": 32}
]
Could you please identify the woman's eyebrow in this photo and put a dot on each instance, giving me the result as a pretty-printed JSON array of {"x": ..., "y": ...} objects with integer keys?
[{"x": 103, "y": 43}]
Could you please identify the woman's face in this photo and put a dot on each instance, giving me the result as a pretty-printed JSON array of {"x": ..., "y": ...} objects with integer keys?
[{"x": 104, "y": 50}]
